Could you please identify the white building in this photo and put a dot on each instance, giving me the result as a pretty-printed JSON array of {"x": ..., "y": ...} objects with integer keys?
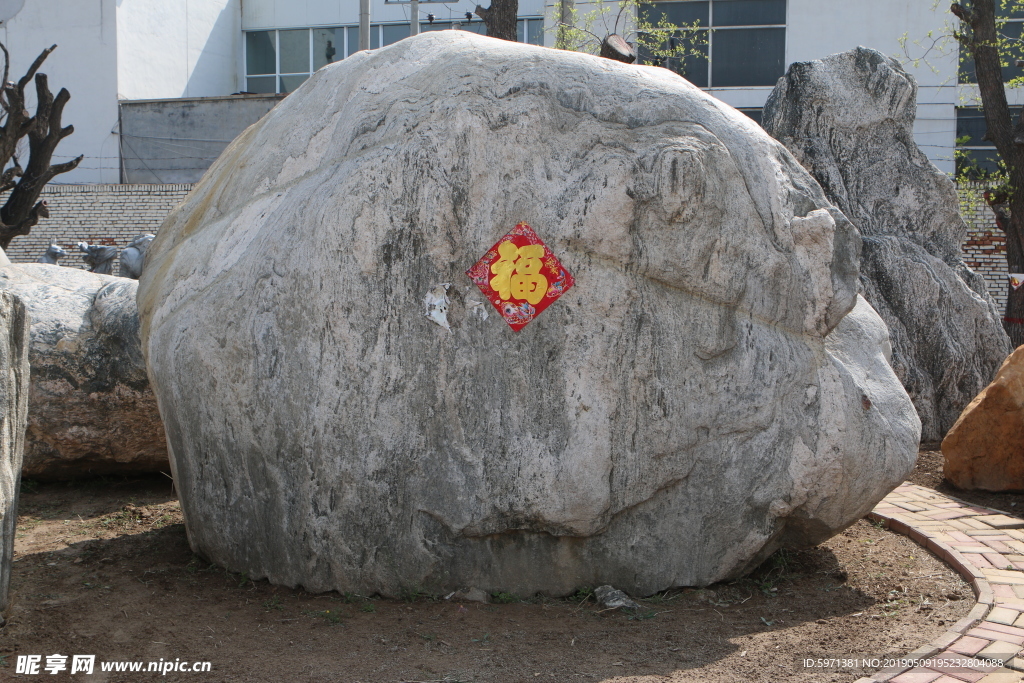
[
  {"x": 109, "y": 50},
  {"x": 115, "y": 50}
]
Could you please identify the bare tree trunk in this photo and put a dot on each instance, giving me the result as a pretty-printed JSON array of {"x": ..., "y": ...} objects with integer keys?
[
  {"x": 615, "y": 47},
  {"x": 22, "y": 210},
  {"x": 501, "y": 19},
  {"x": 565, "y": 20},
  {"x": 1013, "y": 317},
  {"x": 982, "y": 41}
]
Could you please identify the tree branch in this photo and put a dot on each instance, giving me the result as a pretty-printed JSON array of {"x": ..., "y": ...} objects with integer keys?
[
  {"x": 501, "y": 19},
  {"x": 962, "y": 13},
  {"x": 997, "y": 202},
  {"x": 23, "y": 210},
  {"x": 34, "y": 68}
]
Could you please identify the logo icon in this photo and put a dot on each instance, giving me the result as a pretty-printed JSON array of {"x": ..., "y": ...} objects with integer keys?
[{"x": 520, "y": 276}]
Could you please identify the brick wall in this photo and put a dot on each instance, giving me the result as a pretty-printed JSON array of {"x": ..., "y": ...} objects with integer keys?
[
  {"x": 984, "y": 250},
  {"x": 115, "y": 214},
  {"x": 97, "y": 214}
]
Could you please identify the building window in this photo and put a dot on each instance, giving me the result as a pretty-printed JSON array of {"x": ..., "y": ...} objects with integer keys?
[
  {"x": 530, "y": 31},
  {"x": 279, "y": 61},
  {"x": 976, "y": 157},
  {"x": 744, "y": 41},
  {"x": 1009, "y": 26}
]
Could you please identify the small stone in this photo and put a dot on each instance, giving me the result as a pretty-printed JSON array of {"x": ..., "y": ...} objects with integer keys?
[
  {"x": 472, "y": 595},
  {"x": 983, "y": 449},
  {"x": 610, "y": 598}
]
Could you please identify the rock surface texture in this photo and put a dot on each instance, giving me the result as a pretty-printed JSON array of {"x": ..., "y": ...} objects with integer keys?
[
  {"x": 985, "y": 448},
  {"x": 677, "y": 415},
  {"x": 849, "y": 119},
  {"x": 91, "y": 410},
  {"x": 13, "y": 411}
]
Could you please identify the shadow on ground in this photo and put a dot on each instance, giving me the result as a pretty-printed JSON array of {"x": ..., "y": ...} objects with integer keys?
[{"x": 104, "y": 568}]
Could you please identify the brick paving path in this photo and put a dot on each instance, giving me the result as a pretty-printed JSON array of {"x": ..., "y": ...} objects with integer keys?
[{"x": 984, "y": 546}]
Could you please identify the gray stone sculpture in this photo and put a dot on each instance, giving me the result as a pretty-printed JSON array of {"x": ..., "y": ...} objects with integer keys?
[
  {"x": 702, "y": 396},
  {"x": 134, "y": 256},
  {"x": 91, "y": 410},
  {"x": 14, "y": 373},
  {"x": 53, "y": 254},
  {"x": 849, "y": 120},
  {"x": 99, "y": 258}
]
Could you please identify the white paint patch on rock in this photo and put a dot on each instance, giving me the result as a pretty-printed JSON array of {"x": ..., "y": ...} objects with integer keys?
[{"x": 437, "y": 302}]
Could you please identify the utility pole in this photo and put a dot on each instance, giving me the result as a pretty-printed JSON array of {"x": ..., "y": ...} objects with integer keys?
[
  {"x": 364, "y": 24},
  {"x": 414, "y": 17},
  {"x": 565, "y": 23}
]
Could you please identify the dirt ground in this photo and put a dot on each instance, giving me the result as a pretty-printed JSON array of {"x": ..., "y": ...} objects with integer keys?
[{"x": 104, "y": 568}]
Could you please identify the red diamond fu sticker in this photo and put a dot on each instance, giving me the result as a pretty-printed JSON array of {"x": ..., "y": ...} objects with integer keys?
[{"x": 520, "y": 276}]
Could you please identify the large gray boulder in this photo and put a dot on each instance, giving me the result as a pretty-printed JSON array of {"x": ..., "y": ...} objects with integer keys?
[
  {"x": 91, "y": 410},
  {"x": 676, "y": 416},
  {"x": 13, "y": 411},
  {"x": 849, "y": 119}
]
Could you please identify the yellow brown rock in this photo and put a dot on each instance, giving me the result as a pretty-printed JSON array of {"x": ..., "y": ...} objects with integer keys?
[{"x": 985, "y": 448}]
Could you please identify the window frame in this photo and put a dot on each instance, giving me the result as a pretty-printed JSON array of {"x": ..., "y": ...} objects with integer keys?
[
  {"x": 347, "y": 50},
  {"x": 711, "y": 28}
]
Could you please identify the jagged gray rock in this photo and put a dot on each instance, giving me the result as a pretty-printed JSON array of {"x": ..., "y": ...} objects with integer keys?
[
  {"x": 13, "y": 410},
  {"x": 849, "y": 120},
  {"x": 91, "y": 410},
  {"x": 676, "y": 416}
]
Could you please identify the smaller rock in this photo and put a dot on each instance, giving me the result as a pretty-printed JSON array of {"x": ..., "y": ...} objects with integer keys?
[
  {"x": 985, "y": 448},
  {"x": 610, "y": 598},
  {"x": 98, "y": 257},
  {"x": 91, "y": 411},
  {"x": 133, "y": 257},
  {"x": 53, "y": 254},
  {"x": 471, "y": 595}
]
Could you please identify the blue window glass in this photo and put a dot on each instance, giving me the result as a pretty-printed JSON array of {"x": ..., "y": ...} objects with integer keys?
[
  {"x": 328, "y": 46},
  {"x": 674, "y": 13},
  {"x": 260, "y": 53},
  {"x": 261, "y": 84},
  {"x": 748, "y": 56},
  {"x": 290, "y": 83},
  {"x": 395, "y": 32},
  {"x": 1012, "y": 30},
  {"x": 353, "y": 39},
  {"x": 294, "y": 51},
  {"x": 749, "y": 12}
]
